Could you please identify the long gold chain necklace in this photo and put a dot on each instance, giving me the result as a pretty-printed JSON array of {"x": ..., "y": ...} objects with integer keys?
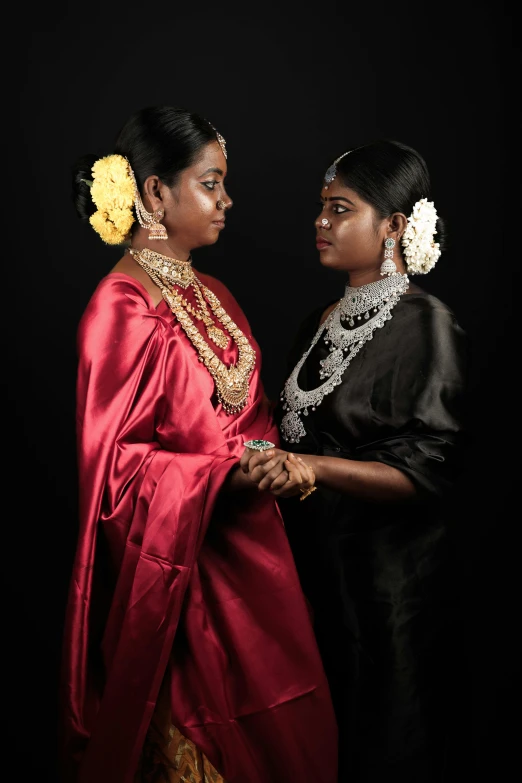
[
  {"x": 216, "y": 334},
  {"x": 232, "y": 381},
  {"x": 181, "y": 273}
]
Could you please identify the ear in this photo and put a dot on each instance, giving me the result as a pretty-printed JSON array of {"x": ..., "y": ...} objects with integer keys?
[
  {"x": 397, "y": 224},
  {"x": 152, "y": 195}
]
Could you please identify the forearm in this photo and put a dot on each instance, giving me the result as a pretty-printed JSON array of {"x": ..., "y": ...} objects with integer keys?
[
  {"x": 238, "y": 481},
  {"x": 371, "y": 481}
]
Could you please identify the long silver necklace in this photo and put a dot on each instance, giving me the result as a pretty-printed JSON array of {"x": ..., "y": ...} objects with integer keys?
[{"x": 369, "y": 304}]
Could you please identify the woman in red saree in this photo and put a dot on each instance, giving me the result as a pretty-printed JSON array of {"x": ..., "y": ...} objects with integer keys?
[{"x": 185, "y": 608}]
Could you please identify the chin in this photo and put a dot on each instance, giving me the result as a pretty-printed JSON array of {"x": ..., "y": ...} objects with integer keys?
[
  {"x": 210, "y": 239},
  {"x": 214, "y": 235},
  {"x": 329, "y": 262}
]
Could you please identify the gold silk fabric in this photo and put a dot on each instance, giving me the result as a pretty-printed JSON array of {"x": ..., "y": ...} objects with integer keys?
[{"x": 168, "y": 756}]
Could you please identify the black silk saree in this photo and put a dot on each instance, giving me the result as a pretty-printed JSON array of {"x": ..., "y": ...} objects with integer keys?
[{"x": 377, "y": 575}]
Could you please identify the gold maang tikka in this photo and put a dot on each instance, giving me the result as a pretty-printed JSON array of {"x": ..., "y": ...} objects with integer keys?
[{"x": 221, "y": 141}]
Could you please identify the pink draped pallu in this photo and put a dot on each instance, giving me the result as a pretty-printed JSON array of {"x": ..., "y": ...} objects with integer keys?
[{"x": 171, "y": 576}]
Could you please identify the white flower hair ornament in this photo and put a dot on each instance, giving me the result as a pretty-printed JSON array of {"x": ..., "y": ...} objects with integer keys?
[{"x": 420, "y": 251}]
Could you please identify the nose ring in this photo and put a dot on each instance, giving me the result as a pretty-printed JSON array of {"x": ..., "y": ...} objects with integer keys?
[
  {"x": 221, "y": 204},
  {"x": 325, "y": 222}
]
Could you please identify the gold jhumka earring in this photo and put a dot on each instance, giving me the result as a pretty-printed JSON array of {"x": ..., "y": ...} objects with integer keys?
[{"x": 150, "y": 220}]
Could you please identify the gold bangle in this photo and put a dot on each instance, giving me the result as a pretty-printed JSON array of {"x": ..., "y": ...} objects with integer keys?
[{"x": 306, "y": 492}]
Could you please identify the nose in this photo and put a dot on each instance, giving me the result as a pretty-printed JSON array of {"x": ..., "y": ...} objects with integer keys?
[
  {"x": 228, "y": 201},
  {"x": 323, "y": 223},
  {"x": 224, "y": 203}
]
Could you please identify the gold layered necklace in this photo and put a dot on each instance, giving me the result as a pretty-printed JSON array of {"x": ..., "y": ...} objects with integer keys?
[{"x": 231, "y": 382}]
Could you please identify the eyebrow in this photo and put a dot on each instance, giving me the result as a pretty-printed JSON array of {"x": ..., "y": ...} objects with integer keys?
[
  {"x": 338, "y": 198},
  {"x": 215, "y": 171}
]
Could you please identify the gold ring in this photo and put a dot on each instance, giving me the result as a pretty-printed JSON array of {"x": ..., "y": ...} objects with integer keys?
[{"x": 306, "y": 492}]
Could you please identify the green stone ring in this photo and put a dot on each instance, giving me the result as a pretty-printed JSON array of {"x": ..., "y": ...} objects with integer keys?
[{"x": 258, "y": 445}]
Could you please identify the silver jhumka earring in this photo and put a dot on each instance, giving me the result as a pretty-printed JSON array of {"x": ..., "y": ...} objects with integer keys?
[{"x": 388, "y": 266}]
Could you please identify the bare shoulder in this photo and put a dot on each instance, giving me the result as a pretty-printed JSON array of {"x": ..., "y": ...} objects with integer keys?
[
  {"x": 128, "y": 266},
  {"x": 327, "y": 312}
]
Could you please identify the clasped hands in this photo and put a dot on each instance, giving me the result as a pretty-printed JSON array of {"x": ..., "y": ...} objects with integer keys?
[{"x": 282, "y": 473}]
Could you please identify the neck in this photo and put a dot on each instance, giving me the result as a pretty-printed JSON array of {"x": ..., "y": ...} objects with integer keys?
[
  {"x": 363, "y": 277},
  {"x": 359, "y": 277},
  {"x": 166, "y": 247}
]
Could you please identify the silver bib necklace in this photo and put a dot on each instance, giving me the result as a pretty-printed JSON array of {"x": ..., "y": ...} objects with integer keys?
[{"x": 365, "y": 309}]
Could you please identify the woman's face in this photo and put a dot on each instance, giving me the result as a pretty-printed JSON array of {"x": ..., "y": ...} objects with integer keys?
[
  {"x": 194, "y": 211},
  {"x": 353, "y": 238}
]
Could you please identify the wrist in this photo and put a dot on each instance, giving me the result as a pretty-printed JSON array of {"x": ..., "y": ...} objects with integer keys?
[
  {"x": 315, "y": 462},
  {"x": 237, "y": 480}
]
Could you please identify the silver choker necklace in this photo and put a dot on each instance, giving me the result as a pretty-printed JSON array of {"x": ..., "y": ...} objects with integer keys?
[{"x": 366, "y": 309}]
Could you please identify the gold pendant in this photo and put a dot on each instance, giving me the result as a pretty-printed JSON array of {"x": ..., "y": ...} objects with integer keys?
[{"x": 218, "y": 336}]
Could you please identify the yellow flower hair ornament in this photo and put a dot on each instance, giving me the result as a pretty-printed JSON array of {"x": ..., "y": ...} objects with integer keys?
[{"x": 113, "y": 193}]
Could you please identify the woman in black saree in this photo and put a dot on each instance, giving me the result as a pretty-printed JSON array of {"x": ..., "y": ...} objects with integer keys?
[{"x": 374, "y": 403}]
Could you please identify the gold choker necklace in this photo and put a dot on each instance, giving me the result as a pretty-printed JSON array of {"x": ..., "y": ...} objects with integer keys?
[
  {"x": 232, "y": 381},
  {"x": 171, "y": 270}
]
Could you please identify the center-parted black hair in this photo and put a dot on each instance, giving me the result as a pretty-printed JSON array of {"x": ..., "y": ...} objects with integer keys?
[
  {"x": 160, "y": 140},
  {"x": 389, "y": 176}
]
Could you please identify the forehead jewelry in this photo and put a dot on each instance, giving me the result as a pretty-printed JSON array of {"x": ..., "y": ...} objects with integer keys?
[
  {"x": 221, "y": 142},
  {"x": 331, "y": 171}
]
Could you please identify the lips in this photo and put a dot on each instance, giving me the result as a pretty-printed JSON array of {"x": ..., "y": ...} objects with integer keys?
[
  {"x": 219, "y": 223},
  {"x": 321, "y": 243}
]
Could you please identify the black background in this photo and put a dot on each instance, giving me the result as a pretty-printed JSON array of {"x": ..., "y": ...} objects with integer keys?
[{"x": 289, "y": 89}]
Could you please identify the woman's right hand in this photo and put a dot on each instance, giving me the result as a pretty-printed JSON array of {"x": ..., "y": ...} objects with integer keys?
[
  {"x": 263, "y": 467},
  {"x": 301, "y": 477},
  {"x": 282, "y": 473}
]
